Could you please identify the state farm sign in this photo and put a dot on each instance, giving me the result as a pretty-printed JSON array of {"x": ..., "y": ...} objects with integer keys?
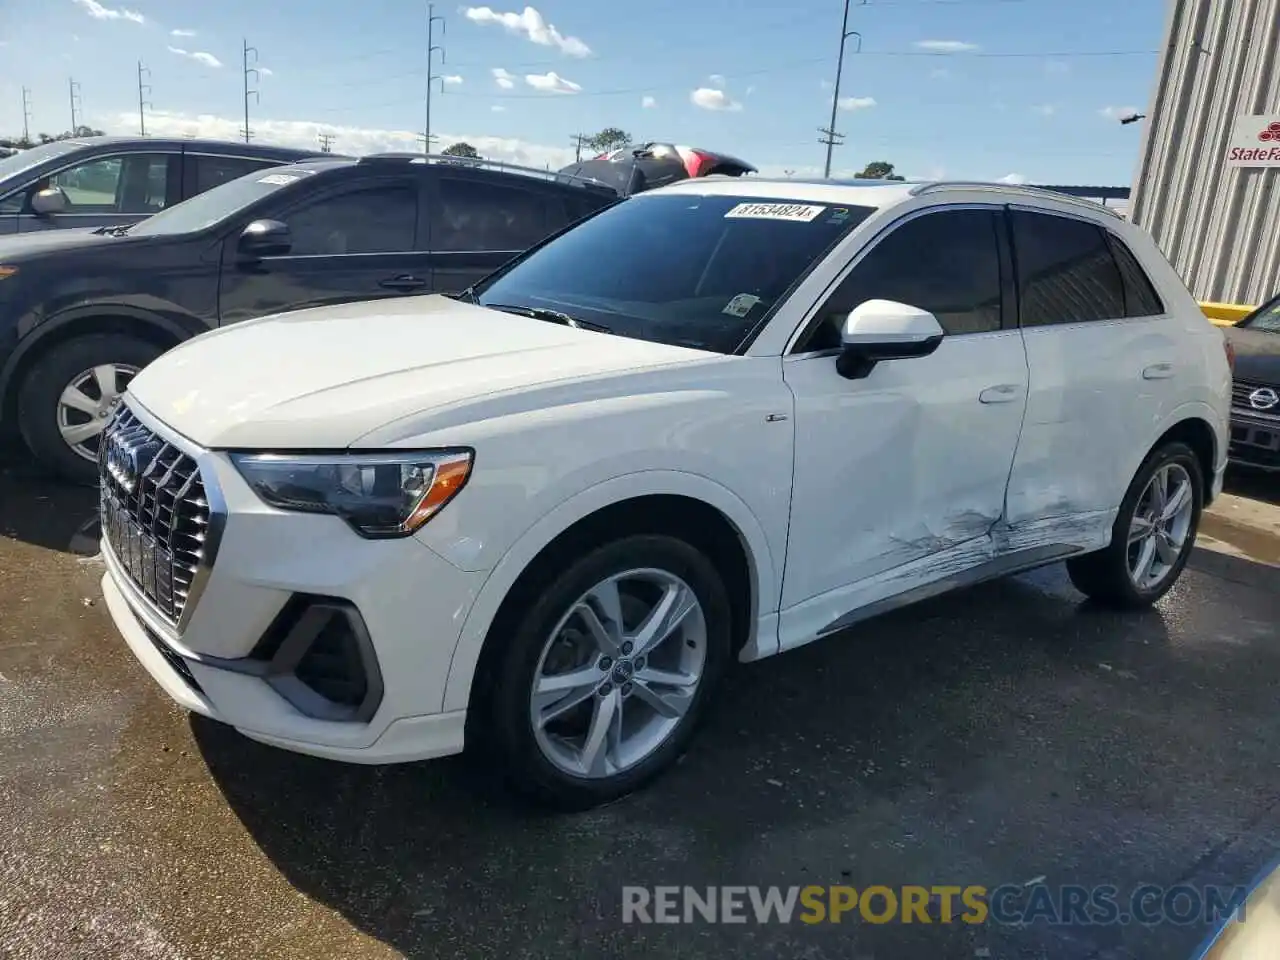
[{"x": 1255, "y": 142}]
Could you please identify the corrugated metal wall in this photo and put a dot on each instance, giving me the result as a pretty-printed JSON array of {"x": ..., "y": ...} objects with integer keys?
[{"x": 1219, "y": 226}]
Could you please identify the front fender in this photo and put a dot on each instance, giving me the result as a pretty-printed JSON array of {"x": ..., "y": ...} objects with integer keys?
[{"x": 765, "y": 586}]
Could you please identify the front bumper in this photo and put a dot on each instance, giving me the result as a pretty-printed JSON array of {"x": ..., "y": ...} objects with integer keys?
[
  {"x": 1255, "y": 440},
  {"x": 409, "y": 602}
]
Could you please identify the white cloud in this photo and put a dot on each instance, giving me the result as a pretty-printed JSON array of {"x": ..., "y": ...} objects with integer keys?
[
  {"x": 1014, "y": 179},
  {"x": 504, "y": 78},
  {"x": 452, "y": 80},
  {"x": 946, "y": 46},
  {"x": 856, "y": 103},
  {"x": 498, "y": 108},
  {"x": 1045, "y": 109},
  {"x": 1117, "y": 113},
  {"x": 529, "y": 24},
  {"x": 354, "y": 140},
  {"x": 266, "y": 71},
  {"x": 709, "y": 98},
  {"x": 199, "y": 56},
  {"x": 99, "y": 12},
  {"x": 716, "y": 80},
  {"x": 182, "y": 33},
  {"x": 552, "y": 82},
  {"x": 648, "y": 103}
]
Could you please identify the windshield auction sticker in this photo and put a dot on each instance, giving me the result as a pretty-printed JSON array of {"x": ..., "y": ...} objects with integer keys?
[{"x": 799, "y": 212}]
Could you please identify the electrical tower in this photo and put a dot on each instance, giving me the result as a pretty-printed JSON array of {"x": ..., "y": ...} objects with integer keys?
[
  {"x": 74, "y": 89},
  {"x": 26, "y": 115},
  {"x": 249, "y": 72},
  {"x": 432, "y": 47},
  {"x": 578, "y": 139},
  {"x": 326, "y": 142},
  {"x": 829, "y": 135},
  {"x": 143, "y": 102}
]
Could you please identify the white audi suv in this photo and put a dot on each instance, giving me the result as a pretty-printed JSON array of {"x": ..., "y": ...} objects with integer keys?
[{"x": 713, "y": 422}]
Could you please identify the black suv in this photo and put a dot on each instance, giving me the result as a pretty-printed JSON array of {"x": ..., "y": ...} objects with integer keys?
[
  {"x": 93, "y": 181},
  {"x": 1255, "y": 391},
  {"x": 81, "y": 312}
]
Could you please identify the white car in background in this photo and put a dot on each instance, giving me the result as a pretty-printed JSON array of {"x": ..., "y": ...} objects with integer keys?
[{"x": 716, "y": 421}]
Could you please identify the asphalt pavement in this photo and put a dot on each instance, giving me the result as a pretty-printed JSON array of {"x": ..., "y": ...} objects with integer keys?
[{"x": 1005, "y": 734}]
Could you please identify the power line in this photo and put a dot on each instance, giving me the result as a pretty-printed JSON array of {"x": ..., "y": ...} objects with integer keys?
[
  {"x": 143, "y": 103},
  {"x": 326, "y": 142},
  {"x": 249, "y": 72},
  {"x": 74, "y": 89},
  {"x": 432, "y": 47},
  {"x": 830, "y": 137},
  {"x": 26, "y": 114}
]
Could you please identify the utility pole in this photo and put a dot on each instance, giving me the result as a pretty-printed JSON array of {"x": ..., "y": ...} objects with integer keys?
[
  {"x": 829, "y": 135},
  {"x": 432, "y": 47},
  {"x": 143, "y": 103},
  {"x": 26, "y": 115},
  {"x": 249, "y": 72},
  {"x": 74, "y": 89},
  {"x": 326, "y": 142},
  {"x": 579, "y": 139}
]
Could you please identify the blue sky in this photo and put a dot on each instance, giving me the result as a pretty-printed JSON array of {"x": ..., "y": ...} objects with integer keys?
[{"x": 960, "y": 88}]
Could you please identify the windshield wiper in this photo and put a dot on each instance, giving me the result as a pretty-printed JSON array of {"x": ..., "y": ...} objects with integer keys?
[
  {"x": 467, "y": 296},
  {"x": 119, "y": 230},
  {"x": 551, "y": 316}
]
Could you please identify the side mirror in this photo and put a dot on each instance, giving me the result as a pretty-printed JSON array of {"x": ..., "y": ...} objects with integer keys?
[
  {"x": 885, "y": 330},
  {"x": 47, "y": 202},
  {"x": 265, "y": 238}
]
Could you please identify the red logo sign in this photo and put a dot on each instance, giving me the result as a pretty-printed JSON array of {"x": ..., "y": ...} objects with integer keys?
[{"x": 1271, "y": 133}]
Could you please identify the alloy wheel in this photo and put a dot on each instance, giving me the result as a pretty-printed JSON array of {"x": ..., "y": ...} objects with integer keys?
[
  {"x": 86, "y": 405},
  {"x": 1160, "y": 526}
]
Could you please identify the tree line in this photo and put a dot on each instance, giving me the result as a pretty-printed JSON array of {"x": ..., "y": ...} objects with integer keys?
[{"x": 25, "y": 143}]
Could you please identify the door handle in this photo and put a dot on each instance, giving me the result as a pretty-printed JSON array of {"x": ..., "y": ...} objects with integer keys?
[
  {"x": 1158, "y": 371},
  {"x": 1002, "y": 393},
  {"x": 404, "y": 282}
]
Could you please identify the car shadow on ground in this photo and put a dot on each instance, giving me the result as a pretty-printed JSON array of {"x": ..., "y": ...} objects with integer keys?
[
  {"x": 41, "y": 510},
  {"x": 1254, "y": 484},
  {"x": 978, "y": 737}
]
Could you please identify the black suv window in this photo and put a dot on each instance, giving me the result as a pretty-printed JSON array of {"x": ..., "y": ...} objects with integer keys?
[
  {"x": 474, "y": 215},
  {"x": 375, "y": 219},
  {"x": 210, "y": 172},
  {"x": 1140, "y": 297},
  {"x": 946, "y": 262},
  {"x": 132, "y": 183},
  {"x": 1066, "y": 273}
]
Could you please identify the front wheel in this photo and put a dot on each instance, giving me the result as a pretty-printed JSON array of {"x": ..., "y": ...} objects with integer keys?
[
  {"x": 608, "y": 671},
  {"x": 1153, "y": 535}
]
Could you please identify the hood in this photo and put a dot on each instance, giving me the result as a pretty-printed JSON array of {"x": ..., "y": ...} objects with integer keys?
[
  {"x": 1257, "y": 354},
  {"x": 324, "y": 378},
  {"x": 22, "y": 246}
]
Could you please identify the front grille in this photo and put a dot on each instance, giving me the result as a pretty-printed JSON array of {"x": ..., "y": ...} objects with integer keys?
[
  {"x": 155, "y": 514},
  {"x": 1240, "y": 391}
]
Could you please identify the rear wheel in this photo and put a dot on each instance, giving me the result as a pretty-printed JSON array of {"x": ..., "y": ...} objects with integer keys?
[
  {"x": 1153, "y": 535},
  {"x": 68, "y": 397},
  {"x": 608, "y": 672}
]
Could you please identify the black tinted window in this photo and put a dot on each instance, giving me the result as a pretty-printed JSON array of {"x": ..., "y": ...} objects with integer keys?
[
  {"x": 1140, "y": 297},
  {"x": 947, "y": 263},
  {"x": 699, "y": 271},
  {"x": 211, "y": 172},
  {"x": 373, "y": 220},
  {"x": 473, "y": 215},
  {"x": 1066, "y": 273}
]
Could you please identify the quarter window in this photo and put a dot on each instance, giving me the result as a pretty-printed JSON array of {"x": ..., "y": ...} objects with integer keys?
[
  {"x": 946, "y": 262},
  {"x": 473, "y": 215},
  {"x": 373, "y": 220},
  {"x": 214, "y": 171},
  {"x": 1066, "y": 273},
  {"x": 1140, "y": 297}
]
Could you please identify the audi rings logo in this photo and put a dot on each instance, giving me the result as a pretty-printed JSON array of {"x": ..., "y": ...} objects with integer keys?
[{"x": 1264, "y": 398}]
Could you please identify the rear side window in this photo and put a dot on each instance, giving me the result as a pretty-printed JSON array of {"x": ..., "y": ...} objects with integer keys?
[
  {"x": 378, "y": 219},
  {"x": 947, "y": 263},
  {"x": 1066, "y": 273},
  {"x": 474, "y": 215},
  {"x": 211, "y": 172},
  {"x": 1140, "y": 297}
]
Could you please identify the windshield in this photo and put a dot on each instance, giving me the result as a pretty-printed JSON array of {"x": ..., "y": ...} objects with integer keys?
[
  {"x": 26, "y": 159},
  {"x": 1266, "y": 318},
  {"x": 684, "y": 269},
  {"x": 217, "y": 204}
]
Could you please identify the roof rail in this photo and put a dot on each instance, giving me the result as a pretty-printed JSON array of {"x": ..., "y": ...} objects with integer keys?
[
  {"x": 482, "y": 163},
  {"x": 1016, "y": 189}
]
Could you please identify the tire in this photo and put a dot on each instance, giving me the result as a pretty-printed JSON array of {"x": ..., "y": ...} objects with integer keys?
[
  {"x": 507, "y": 730},
  {"x": 1105, "y": 576},
  {"x": 39, "y": 404}
]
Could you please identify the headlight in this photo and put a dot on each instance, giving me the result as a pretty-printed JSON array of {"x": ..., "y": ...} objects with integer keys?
[{"x": 380, "y": 494}]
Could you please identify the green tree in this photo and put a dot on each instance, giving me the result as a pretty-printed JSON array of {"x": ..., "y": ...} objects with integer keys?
[
  {"x": 462, "y": 149},
  {"x": 610, "y": 138},
  {"x": 879, "y": 170}
]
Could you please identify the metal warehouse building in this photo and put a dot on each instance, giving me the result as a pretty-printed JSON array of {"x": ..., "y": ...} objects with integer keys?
[{"x": 1208, "y": 180}]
